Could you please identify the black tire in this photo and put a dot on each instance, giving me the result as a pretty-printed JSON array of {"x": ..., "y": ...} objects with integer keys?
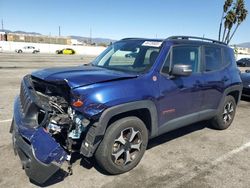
[
  {"x": 107, "y": 154},
  {"x": 11, "y": 126},
  {"x": 20, "y": 51},
  {"x": 226, "y": 114}
]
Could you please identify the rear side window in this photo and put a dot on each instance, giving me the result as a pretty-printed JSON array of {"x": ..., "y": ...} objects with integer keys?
[
  {"x": 213, "y": 59},
  {"x": 228, "y": 57}
]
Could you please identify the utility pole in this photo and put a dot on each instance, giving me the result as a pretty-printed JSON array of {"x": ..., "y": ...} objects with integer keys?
[
  {"x": 2, "y": 24},
  {"x": 90, "y": 36},
  {"x": 59, "y": 31}
]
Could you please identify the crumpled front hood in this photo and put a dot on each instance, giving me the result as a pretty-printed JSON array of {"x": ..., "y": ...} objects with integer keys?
[{"x": 80, "y": 75}]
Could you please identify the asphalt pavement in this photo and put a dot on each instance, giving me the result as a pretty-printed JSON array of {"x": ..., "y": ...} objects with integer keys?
[{"x": 195, "y": 156}]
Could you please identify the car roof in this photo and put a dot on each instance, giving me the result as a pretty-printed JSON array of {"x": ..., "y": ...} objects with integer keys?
[
  {"x": 196, "y": 41},
  {"x": 144, "y": 39},
  {"x": 185, "y": 40}
]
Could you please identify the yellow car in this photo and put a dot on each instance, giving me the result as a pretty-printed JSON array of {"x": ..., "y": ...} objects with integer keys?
[{"x": 67, "y": 51}]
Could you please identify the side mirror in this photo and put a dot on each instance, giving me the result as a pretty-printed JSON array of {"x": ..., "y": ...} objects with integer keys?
[{"x": 182, "y": 70}]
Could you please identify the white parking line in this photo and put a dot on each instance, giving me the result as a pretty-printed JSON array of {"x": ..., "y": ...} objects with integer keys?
[
  {"x": 7, "y": 120},
  {"x": 230, "y": 154},
  {"x": 194, "y": 173}
]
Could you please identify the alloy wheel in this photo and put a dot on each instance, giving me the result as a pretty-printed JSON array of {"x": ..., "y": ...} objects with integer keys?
[
  {"x": 228, "y": 112},
  {"x": 127, "y": 146}
]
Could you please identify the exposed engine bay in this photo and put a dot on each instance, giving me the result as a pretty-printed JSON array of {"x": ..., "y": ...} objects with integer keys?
[
  {"x": 60, "y": 120},
  {"x": 66, "y": 125}
]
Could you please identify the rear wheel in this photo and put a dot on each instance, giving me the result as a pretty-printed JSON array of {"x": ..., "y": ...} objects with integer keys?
[
  {"x": 123, "y": 146},
  {"x": 20, "y": 51},
  {"x": 226, "y": 114}
]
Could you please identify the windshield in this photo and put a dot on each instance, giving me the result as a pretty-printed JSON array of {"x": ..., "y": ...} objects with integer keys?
[{"x": 129, "y": 55}]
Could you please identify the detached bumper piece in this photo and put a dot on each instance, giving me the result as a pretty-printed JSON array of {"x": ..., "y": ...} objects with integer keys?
[
  {"x": 92, "y": 140},
  {"x": 40, "y": 154},
  {"x": 34, "y": 169}
]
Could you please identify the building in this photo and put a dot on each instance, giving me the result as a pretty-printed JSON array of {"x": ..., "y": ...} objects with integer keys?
[
  {"x": 76, "y": 42},
  {"x": 16, "y": 37},
  {"x": 3, "y": 36},
  {"x": 242, "y": 50}
]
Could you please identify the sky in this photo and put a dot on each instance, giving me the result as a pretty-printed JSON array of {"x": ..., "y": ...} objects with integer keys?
[{"x": 116, "y": 19}]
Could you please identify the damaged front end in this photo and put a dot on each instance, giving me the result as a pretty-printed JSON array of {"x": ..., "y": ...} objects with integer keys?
[{"x": 45, "y": 128}]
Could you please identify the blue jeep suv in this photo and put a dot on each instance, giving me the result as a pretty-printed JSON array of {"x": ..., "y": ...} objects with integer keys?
[{"x": 137, "y": 89}]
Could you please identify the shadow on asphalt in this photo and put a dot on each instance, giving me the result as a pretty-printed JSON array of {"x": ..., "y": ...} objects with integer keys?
[
  {"x": 172, "y": 135},
  {"x": 88, "y": 163},
  {"x": 59, "y": 176},
  {"x": 245, "y": 99}
]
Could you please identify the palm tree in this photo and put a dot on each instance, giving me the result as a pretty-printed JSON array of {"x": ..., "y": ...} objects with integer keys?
[
  {"x": 241, "y": 14},
  {"x": 233, "y": 13},
  {"x": 230, "y": 19},
  {"x": 227, "y": 5}
]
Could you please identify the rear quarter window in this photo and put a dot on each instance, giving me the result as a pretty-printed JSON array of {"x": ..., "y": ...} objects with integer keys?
[
  {"x": 228, "y": 57},
  {"x": 213, "y": 59}
]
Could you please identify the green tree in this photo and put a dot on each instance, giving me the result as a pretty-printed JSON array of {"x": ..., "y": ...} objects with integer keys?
[
  {"x": 227, "y": 5},
  {"x": 241, "y": 15},
  {"x": 233, "y": 13},
  {"x": 230, "y": 19}
]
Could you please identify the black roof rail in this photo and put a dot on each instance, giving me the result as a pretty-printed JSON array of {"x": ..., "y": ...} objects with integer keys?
[
  {"x": 196, "y": 38},
  {"x": 131, "y": 38},
  {"x": 138, "y": 38}
]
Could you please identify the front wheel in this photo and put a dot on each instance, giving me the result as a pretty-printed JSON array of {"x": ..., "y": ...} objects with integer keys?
[
  {"x": 226, "y": 114},
  {"x": 123, "y": 146}
]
